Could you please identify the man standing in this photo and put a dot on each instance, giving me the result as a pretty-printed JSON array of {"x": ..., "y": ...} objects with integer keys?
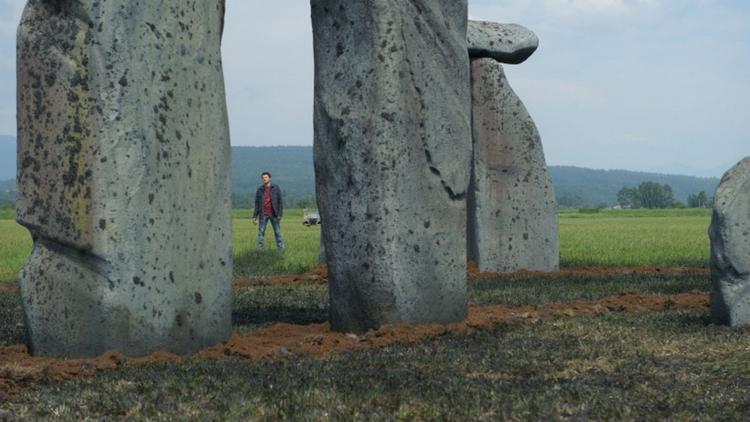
[{"x": 268, "y": 206}]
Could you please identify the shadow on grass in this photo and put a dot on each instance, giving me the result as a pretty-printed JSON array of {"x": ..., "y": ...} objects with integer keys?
[
  {"x": 250, "y": 317},
  {"x": 520, "y": 290},
  {"x": 671, "y": 322},
  {"x": 263, "y": 263},
  {"x": 303, "y": 304},
  {"x": 256, "y": 263}
]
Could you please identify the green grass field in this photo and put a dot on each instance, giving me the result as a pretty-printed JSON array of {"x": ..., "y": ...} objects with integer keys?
[
  {"x": 607, "y": 238},
  {"x": 635, "y": 238}
]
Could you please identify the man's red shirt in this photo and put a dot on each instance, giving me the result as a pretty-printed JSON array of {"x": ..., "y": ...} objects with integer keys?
[{"x": 267, "y": 207}]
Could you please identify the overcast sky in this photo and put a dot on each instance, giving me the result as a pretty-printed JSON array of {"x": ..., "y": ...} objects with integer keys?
[{"x": 652, "y": 85}]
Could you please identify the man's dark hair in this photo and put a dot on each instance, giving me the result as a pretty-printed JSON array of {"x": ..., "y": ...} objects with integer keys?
[{"x": 265, "y": 173}]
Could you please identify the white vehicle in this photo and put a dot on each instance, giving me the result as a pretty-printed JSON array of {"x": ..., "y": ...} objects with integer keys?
[{"x": 310, "y": 217}]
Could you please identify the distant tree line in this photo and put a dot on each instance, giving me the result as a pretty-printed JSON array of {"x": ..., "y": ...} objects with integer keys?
[
  {"x": 700, "y": 200},
  {"x": 576, "y": 201},
  {"x": 656, "y": 195},
  {"x": 577, "y": 187},
  {"x": 571, "y": 201}
]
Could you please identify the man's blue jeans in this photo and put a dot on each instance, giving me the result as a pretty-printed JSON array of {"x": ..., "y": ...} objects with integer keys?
[{"x": 263, "y": 220}]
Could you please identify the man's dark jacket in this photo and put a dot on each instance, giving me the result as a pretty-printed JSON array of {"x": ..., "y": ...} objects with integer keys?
[{"x": 276, "y": 204}]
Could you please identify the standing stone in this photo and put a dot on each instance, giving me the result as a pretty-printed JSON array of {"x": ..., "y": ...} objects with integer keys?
[
  {"x": 730, "y": 248},
  {"x": 392, "y": 147},
  {"x": 512, "y": 208},
  {"x": 123, "y": 176}
]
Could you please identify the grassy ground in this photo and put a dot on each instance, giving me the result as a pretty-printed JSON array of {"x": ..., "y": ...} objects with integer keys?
[
  {"x": 15, "y": 246},
  {"x": 300, "y": 242},
  {"x": 607, "y": 238},
  {"x": 670, "y": 365}
]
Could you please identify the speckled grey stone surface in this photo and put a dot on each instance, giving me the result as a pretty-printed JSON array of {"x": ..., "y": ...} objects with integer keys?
[
  {"x": 392, "y": 147},
  {"x": 123, "y": 176},
  {"x": 504, "y": 42},
  {"x": 512, "y": 208},
  {"x": 730, "y": 248}
]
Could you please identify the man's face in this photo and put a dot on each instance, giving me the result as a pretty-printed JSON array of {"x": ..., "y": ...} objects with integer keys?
[{"x": 266, "y": 179}]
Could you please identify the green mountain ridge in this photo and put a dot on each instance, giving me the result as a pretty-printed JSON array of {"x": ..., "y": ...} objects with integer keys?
[{"x": 292, "y": 169}]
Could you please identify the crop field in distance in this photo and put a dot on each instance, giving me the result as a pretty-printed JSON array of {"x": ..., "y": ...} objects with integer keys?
[
  {"x": 606, "y": 238},
  {"x": 675, "y": 237}
]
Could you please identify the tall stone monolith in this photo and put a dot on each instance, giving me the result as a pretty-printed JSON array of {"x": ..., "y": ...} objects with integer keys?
[
  {"x": 730, "y": 248},
  {"x": 123, "y": 176},
  {"x": 392, "y": 143},
  {"x": 512, "y": 208}
]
